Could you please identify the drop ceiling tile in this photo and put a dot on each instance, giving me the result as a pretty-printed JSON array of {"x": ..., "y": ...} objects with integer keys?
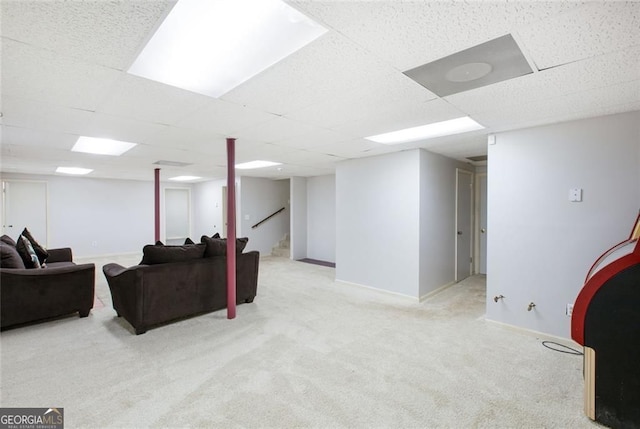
[
  {"x": 408, "y": 34},
  {"x": 24, "y": 113},
  {"x": 399, "y": 116},
  {"x": 190, "y": 139},
  {"x": 277, "y": 128},
  {"x": 19, "y": 136},
  {"x": 150, "y": 101},
  {"x": 349, "y": 149},
  {"x": 325, "y": 69},
  {"x": 592, "y": 73},
  {"x": 364, "y": 101},
  {"x": 223, "y": 117},
  {"x": 123, "y": 128},
  {"x": 595, "y": 28},
  {"x": 316, "y": 137},
  {"x": 102, "y": 32},
  {"x": 551, "y": 110},
  {"x": 43, "y": 75}
]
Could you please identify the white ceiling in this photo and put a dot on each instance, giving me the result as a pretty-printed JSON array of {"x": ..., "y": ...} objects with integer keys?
[{"x": 64, "y": 62}]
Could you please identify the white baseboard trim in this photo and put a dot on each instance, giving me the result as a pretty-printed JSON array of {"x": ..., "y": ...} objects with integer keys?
[
  {"x": 378, "y": 290},
  {"x": 528, "y": 331},
  {"x": 436, "y": 291}
]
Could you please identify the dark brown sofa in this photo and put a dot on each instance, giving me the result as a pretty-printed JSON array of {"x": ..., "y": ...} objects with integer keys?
[
  {"x": 159, "y": 290},
  {"x": 31, "y": 294}
]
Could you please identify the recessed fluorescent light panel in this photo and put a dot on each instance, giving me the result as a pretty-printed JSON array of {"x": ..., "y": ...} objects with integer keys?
[
  {"x": 424, "y": 132},
  {"x": 185, "y": 178},
  {"x": 255, "y": 164},
  {"x": 73, "y": 170},
  {"x": 100, "y": 146},
  {"x": 210, "y": 47}
]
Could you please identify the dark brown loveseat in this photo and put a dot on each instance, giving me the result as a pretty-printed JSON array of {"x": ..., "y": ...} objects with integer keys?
[
  {"x": 160, "y": 290},
  {"x": 31, "y": 294}
]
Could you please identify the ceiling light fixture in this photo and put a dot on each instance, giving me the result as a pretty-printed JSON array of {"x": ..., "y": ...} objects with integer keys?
[
  {"x": 100, "y": 146},
  {"x": 424, "y": 132},
  {"x": 210, "y": 47},
  {"x": 73, "y": 170},
  {"x": 185, "y": 178},
  {"x": 256, "y": 164}
]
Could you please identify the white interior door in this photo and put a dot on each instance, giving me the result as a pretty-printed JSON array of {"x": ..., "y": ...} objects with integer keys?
[
  {"x": 482, "y": 222},
  {"x": 25, "y": 205},
  {"x": 177, "y": 215},
  {"x": 464, "y": 224}
]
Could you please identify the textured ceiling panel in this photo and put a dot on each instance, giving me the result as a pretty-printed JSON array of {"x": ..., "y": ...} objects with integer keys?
[
  {"x": 326, "y": 68},
  {"x": 37, "y": 73},
  {"x": 622, "y": 66},
  {"x": 363, "y": 101},
  {"x": 62, "y": 77},
  {"x": 224, "y": 117},
  {"x": 102, "y": 32},
  {"x": 23, "y": 113},
  {"x": 410, "y": 33},
  {"x": 29, "y": 137},
  {"x": 400, "y": 115},
  {"x": 150, "y": 101},
  {"x": 590, "y": 30}
]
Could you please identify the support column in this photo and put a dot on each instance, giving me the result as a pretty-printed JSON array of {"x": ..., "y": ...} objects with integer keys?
[
  {"x": 231, "y": 228},
  {"x": 157, "y": 205}
]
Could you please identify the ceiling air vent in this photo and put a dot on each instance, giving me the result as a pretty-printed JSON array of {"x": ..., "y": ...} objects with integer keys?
[{"x": 172, "y": 163}]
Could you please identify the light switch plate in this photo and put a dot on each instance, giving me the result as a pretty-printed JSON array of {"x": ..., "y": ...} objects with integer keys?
[{"x": 575, "y": 195}]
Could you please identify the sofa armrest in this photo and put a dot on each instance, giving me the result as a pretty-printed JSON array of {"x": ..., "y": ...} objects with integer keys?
[{"x": 59, "y": 255}]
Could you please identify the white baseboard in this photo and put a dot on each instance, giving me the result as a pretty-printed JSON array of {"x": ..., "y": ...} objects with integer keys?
[
  {"x": 436, "y": 291},
  {"x": 528, "y": 331},
  {"x": 378, "y": 290}
]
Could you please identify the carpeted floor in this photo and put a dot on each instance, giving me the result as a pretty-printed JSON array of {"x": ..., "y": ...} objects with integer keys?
[{"x": 308, "y": 353}]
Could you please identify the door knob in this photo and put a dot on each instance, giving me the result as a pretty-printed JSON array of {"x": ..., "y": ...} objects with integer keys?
[
  {"x": 459, "y": 232},
  {"x": 483, "y": 230}
]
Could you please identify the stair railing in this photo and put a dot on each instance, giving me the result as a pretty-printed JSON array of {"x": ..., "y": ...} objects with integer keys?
[{"x": 267, "y": 218}]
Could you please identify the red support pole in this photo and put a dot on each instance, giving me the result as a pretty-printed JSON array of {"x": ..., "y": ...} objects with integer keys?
[
  {"x": 157, "y": 204},
  {"x": 231, "y": 228}
]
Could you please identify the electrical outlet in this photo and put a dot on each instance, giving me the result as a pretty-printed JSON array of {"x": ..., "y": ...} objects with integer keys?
[{"x": 569, "y": 311}]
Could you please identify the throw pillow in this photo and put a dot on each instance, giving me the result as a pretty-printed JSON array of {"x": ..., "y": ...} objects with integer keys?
[
  {"x": 154, "y": 254},
  {"x": 9, "y": 257},
  {"x": 188, "y": 241},
  {"x": 159, "y": 243},
  {"x": 8, "y": 240},
  {"x": 27, "y": 253},
  {"x": 41, "y": 252},
  {"x": 216, "y": 235},
  {"x": 218, "y": 246}
]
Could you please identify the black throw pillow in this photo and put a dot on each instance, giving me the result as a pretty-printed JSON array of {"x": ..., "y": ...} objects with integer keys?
[
  {"x": 154, "y": 254},
  {"x": 9, "y": 257},
  {"x": 188, "y": 241},
  {"x": 27, "y": 253},
  {"x": 41, "y": 252},
  {"x": 216, "y": 235},
  {"x": 218, "y": 246}
]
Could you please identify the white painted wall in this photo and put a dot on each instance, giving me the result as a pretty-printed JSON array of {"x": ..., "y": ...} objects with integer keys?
[
  {"x": 540, "y": 244},
  {"x": 258, "y": 199},
  {"x": 298, "y": 194},
  {"x": 437, "y": 220},
  {"x": 207, "y": 208},
  {"x": 98, "y": 216},
  {"x": 321, "y": 218},
  {"x": 377, "y": 222}
]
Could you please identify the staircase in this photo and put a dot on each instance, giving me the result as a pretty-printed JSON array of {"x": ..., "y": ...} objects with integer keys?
[{"x": 283, "y": 249}]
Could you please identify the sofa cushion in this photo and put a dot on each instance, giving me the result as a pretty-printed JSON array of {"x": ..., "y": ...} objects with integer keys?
[
  {"x": 41, "y": 252},
  {"x": 27, "y": 253},
  {"x": 157, "y": 254},
  {"x": 9, "y": 256},
  {"x": 218, "y": 246},
  {"x": 8, "y": 240}
]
